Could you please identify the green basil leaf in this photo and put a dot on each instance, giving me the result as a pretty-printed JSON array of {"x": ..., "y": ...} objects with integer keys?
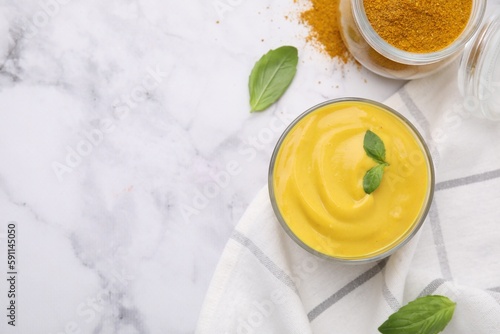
[
  {"x": 372, "y": 178},
  {"x": 426, "y": 315},
  {"x": 271, "y": 76},
  {"x": 374, "y": 146}
]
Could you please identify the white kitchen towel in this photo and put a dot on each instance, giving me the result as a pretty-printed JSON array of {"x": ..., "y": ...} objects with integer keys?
[{"x": 265, "y": 283}]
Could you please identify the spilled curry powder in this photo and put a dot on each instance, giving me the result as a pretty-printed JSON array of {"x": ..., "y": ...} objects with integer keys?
[
  {"x": 418, "y": 26},
  {"x": 322, "y": 19}
]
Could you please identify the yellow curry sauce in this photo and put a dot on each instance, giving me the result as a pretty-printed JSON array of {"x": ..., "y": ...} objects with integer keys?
[{"x": 318, "y": 181}]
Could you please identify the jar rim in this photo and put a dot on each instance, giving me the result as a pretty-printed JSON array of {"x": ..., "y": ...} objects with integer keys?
[
  {"x": 477, "y": 76},
  {"x": 413, "y": 58},
  {"x": 417, "y": 224}
]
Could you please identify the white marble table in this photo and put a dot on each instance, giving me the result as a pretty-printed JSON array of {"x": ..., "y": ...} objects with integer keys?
[{"x": 128, "y": 152}]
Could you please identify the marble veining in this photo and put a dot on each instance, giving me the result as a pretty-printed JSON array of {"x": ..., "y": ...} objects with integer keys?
[{"x": 129, "y": 153}]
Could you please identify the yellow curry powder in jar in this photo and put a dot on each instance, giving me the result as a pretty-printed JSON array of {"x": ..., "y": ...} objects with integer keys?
[
  {"x": 408, "y": 39},
  {"x": 418, "y": 25}
]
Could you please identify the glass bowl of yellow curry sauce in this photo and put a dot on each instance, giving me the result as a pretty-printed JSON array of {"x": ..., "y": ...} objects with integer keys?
[{"x": 351, "y": 180}]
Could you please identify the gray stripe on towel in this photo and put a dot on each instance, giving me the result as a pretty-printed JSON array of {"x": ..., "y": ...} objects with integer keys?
[
  {"x": 345, "y": 290},
  {"x": 421, "y": 120},
  {"x": 497, "y": 289},
  {"x": 437, "y": 234},
  {"x": 477, "y": 178},
  {"x": 265, "y": 260},
  {"x": 495, "y": 293},
  {"x": 415, "y": 111},
  {"x": 389, "y": 297},
  {"x": 431, "y": 287}
]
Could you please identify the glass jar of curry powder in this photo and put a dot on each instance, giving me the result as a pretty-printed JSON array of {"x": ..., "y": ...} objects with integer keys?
[{"x": 404, "y": 39}]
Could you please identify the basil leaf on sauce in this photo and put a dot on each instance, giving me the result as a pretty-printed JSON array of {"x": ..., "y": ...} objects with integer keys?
[
  {"x": 425, "y": 315},
  {"x": 373, "y": 178},
  {"x": 271, "y": 76},
  {"x": 374, "y": 146}
]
